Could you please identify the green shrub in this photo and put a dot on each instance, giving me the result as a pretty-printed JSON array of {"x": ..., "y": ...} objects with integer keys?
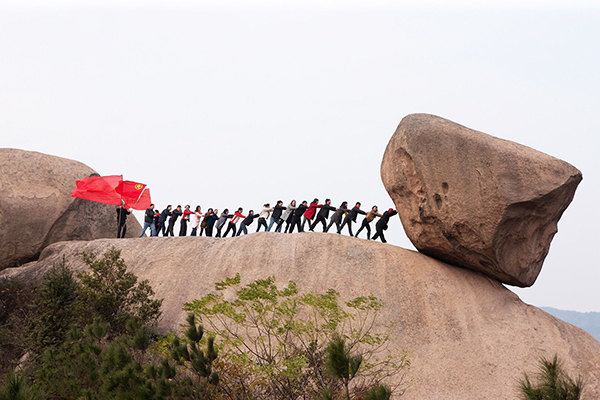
[
  {"x": 112, "y": 294},
  {"x": 15, "y": 313},
  {"x": 53, "y": 309},
  {"x": 275, "y": 342}
]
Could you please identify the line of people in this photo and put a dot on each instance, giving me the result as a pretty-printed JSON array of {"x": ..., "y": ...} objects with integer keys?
[{"x": 294, "y": 216}]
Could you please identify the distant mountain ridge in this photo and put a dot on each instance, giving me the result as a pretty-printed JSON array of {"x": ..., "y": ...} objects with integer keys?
[{"x": 588, "y": 321}]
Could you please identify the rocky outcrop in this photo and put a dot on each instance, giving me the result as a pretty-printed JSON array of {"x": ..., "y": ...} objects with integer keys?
[
  {"x": 468, "y": 337},
  {"x": 474, "y": 200},
  {"x": 36, "y": 207}
]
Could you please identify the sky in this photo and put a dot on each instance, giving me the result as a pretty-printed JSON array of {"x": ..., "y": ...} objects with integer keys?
[{"x": 229, "y": 104}]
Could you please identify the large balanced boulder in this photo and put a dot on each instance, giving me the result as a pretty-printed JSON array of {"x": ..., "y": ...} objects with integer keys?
[
  {"x": 36, "y": 207},
  {"x": 476, "y": 201},
  {"x": 468, "y": 337}
]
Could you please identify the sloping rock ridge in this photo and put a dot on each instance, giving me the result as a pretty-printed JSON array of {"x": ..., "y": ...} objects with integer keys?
[
  {"x": 36, "y": 207},
  {"x": 474, "y": 200},
  {"x": 468, "y": 337}
]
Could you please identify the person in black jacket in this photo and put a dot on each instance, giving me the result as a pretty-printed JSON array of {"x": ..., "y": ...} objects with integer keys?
[
  {"x": 351, "y": 217},
  {"x": 298, "y": 213},
  {"x": 246, "y": 222},
  {"x": 382, "y": 224},
  {"x": 149, "y": 221},
  {"x": 122, "y": 214},
  {"x": 210, "y": 223},
  {"x": 162, "y": 226},
  {"x": 174, "y": 215},
  {"x": 336, "y": 218},
  {"x": 276, "y": 216},
  {"x": 322, "y": 215}
]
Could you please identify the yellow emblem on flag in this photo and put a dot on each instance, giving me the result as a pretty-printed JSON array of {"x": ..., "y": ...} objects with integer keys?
[{"x": 138, "y": 187}]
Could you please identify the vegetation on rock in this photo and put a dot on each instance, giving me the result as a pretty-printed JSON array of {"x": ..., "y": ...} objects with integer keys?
[
  {"x": 277, "y": 343},
  {"x": 91, "y": 336},
  {"x": 551, "y": 383}
]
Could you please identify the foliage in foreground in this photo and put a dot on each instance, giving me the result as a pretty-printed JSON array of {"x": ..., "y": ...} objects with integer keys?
[
  {"x": 276, "y": 343},
  {"x": 551, "y": 383},
  {"x": 93, "y": 338},
  {"x": 15, "y": 312}
]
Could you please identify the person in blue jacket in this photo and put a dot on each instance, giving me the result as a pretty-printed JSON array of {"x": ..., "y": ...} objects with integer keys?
[{"x": 163, "y": 217}]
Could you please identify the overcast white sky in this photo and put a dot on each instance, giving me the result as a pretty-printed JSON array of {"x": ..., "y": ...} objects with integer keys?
[{"x": 242, "y": 103}]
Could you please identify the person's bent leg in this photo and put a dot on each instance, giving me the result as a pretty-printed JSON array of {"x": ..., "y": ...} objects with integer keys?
[
  {"x": 361, "y": 228},
  {"x": 146, "y": 226},
  {"x": 379, "y": 234},
  {"x": 343, "y": 225},
  {"x": 317, "y": 220},
  {"x": 382, "y": 237},
  {"x": 329, "y": 226},
  {"x": 324, "y": 223}
]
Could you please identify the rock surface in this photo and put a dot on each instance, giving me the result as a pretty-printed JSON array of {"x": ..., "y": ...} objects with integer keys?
[
  {"x": 474, "y": 200},
  {"x": 36, "y": 207},
  {"x": 467, "y": 335}
]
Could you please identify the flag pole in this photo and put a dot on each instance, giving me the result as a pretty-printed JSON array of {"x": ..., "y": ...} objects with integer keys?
[{"x": 120, "y": 211}]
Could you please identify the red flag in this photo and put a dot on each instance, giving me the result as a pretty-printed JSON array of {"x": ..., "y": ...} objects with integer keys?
[
  {"x": 139, "y": 204},
  {"x": 99, "y": 188},
  {"x": 130, "y": 191}
]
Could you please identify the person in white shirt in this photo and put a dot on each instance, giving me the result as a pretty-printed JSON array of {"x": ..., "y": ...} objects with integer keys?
[
  {"x": 195, "y": 220},
  {"x": 264, "y": 216}
]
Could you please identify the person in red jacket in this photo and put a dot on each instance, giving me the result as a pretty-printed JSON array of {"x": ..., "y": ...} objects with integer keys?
[
  {"x": 231, "y": 225},
  {"x": 309, "y": 214},
  {"x": 184, "y": 220}
]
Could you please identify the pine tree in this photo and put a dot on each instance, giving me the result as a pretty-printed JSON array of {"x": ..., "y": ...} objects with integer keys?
[
  {"x": 196, "y": 360},
  {"x": 552, "y": 382},
  {"x": 340, "y": 364}
]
